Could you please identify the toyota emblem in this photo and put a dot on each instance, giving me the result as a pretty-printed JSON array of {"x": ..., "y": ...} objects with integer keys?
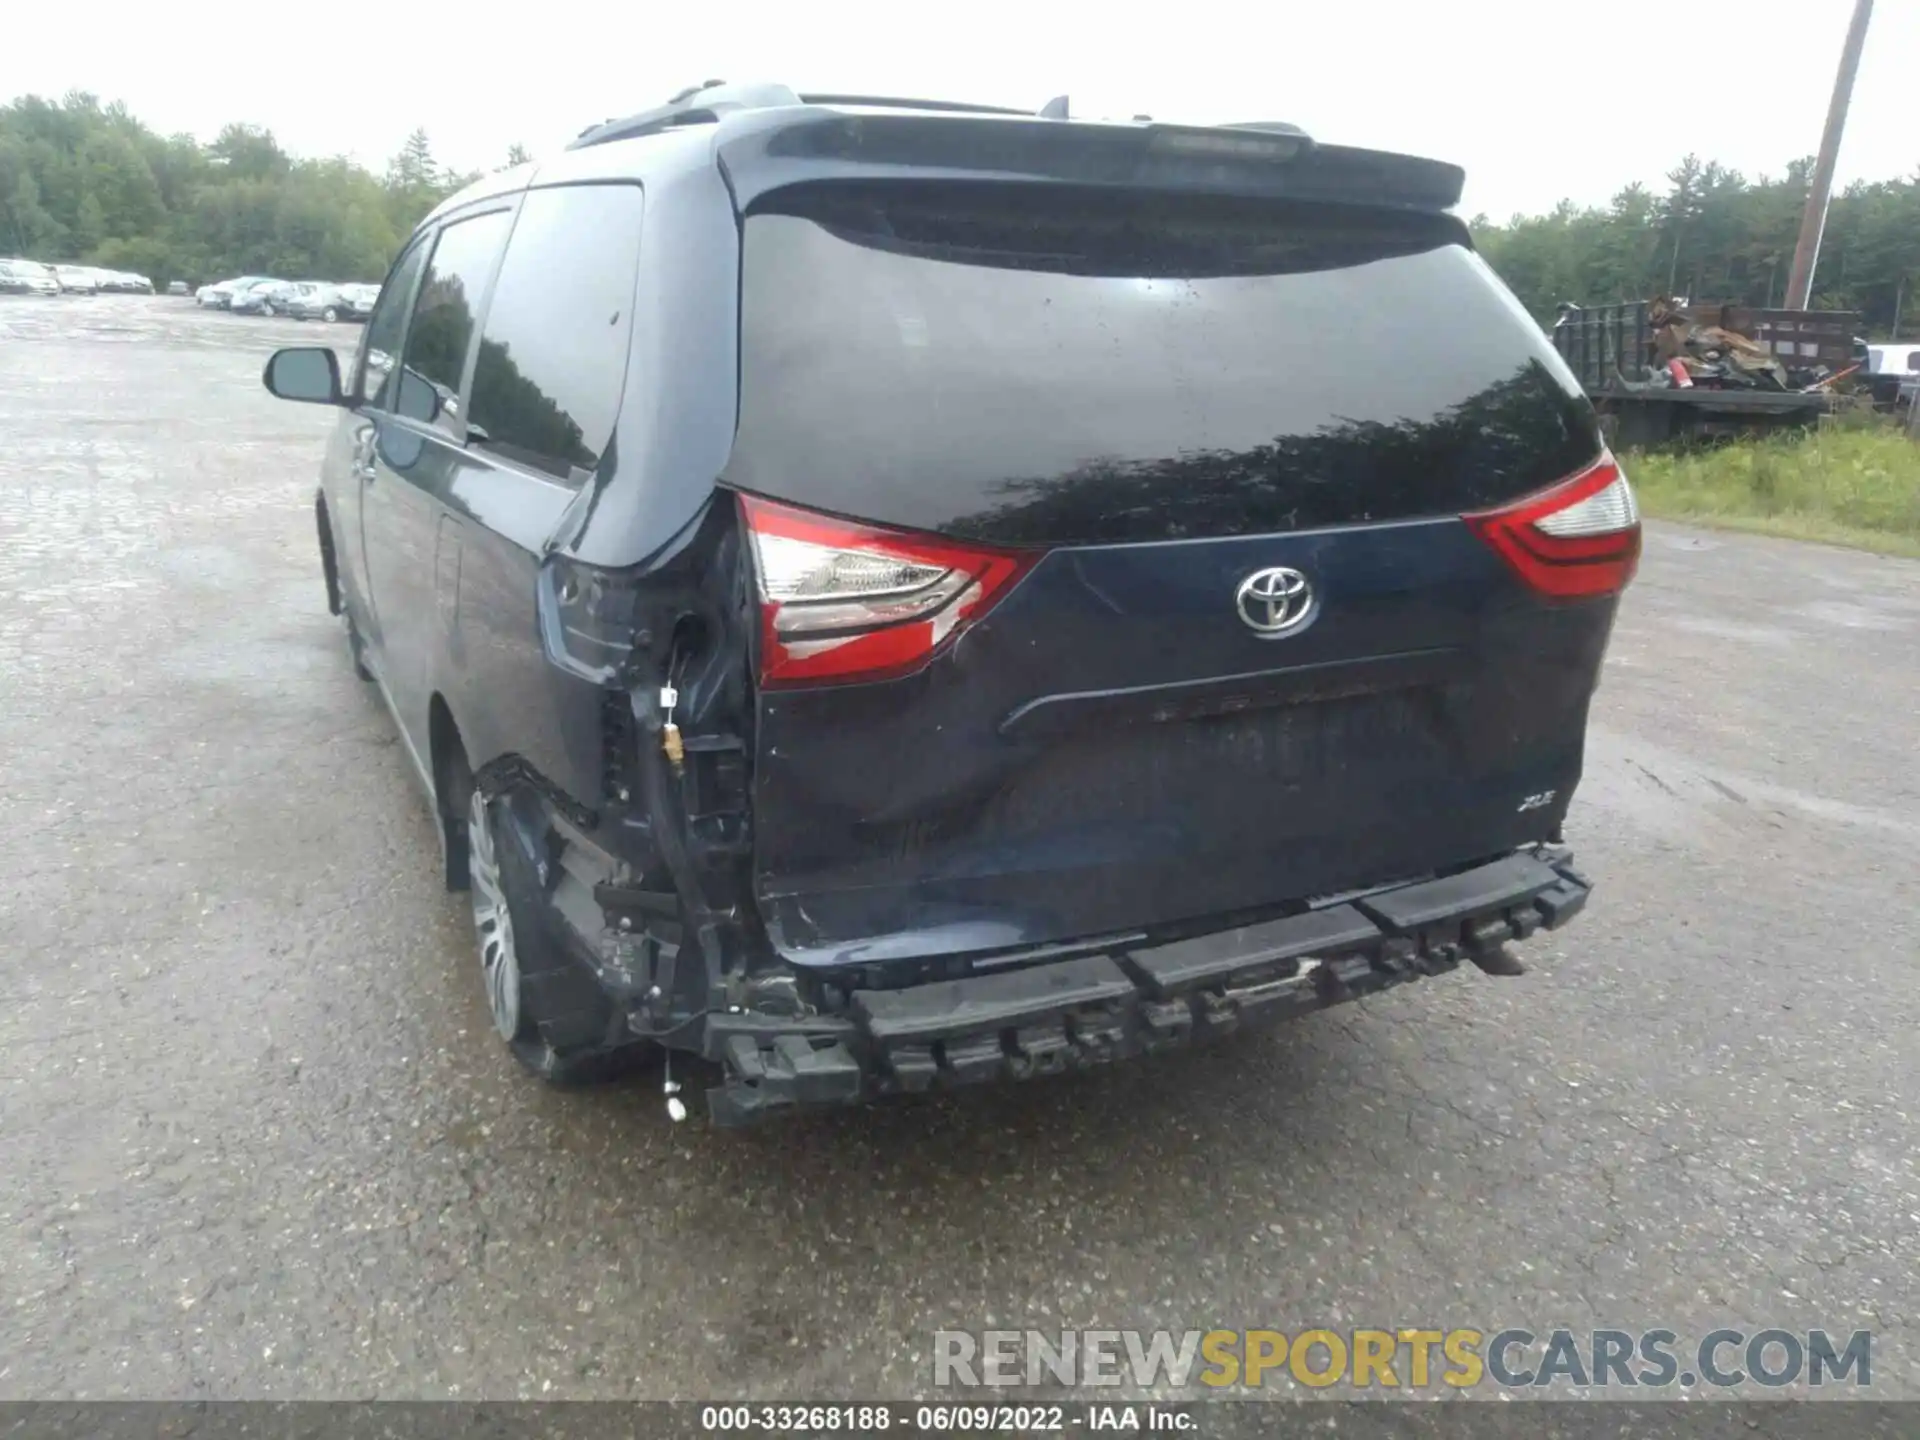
[{"x": 1274, "y": 601}]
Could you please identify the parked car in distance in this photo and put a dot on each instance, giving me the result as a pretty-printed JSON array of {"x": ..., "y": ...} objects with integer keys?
[
  {"x": 122, "y": 282},
  {"x": 357, "y": 301},
  {"x": 262, "y": 297},
  {"x": 302, "y": 299},
  {"x": 219, "y": 295},
  {"x": 242, "y": 299},
  {"x": 28, "y": 277},
  {"x": 177, "y": 287},
  {"x": 77, "y": 279},
  {"x": 336, "y": 302},
  {"x": 763, "y": 717},
  {"x": 309, "y": 303}
]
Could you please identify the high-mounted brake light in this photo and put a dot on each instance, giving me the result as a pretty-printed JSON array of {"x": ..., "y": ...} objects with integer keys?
[
  {"x": 1226, "y": 144},
  {"x": 840, "y": 601},
  {"x": 1575, "y": 539}
]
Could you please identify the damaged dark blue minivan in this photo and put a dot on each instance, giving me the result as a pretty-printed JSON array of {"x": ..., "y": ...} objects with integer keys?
[{"x": 886, "y": 594}]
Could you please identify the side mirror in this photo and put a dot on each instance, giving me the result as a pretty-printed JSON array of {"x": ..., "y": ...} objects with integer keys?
[
  {"x": 309, "y": 373},
  {"x": 418, "y": 397}
]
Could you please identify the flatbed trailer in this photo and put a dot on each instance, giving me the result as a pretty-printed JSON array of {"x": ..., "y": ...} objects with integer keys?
[{"x": 1610, "y": 349}]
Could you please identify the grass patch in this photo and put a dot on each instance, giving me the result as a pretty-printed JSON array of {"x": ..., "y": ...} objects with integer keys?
[{"x": 1853, "y": 483}]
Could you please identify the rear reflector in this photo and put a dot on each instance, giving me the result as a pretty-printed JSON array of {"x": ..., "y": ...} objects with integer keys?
[
  {"x": 1578, "y": 538},
  {"x": 840, "y": 601}
]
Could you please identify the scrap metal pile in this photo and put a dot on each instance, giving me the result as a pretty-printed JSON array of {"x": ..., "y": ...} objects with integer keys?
[{"x": 1688, "y": 354}]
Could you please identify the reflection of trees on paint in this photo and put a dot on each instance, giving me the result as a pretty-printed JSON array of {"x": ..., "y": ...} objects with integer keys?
[
  {"x": 522, "y": 421},
  {"x": 509, "y": 413},
  {"x": 442, "y": 328},
  {"x": 1517, "y": 434}
]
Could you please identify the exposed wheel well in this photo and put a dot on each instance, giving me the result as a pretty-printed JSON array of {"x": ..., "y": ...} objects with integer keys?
[{"x": 452, "y": 776}]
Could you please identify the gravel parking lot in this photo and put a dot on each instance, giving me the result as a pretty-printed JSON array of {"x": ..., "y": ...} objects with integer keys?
[{"x": 259, "y": 1140}]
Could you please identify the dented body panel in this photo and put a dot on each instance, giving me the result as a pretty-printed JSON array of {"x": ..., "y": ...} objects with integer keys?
[{"x": 1112, "y": 749}]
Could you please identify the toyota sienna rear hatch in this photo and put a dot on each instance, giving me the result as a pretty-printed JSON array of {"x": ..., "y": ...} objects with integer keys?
[{"x": 1137, "y": 562}]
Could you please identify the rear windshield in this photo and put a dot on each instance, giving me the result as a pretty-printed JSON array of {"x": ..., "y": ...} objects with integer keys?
[{"x": 1036, "y": 365}]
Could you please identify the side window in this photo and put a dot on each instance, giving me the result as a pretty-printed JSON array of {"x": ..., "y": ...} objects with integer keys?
[
  {"x": 380, "y": 344},
  {"x": 444, "y": 315},
  {"x": 553, "y": 356}
]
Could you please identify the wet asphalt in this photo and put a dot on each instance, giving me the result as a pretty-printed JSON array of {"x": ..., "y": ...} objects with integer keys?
[{"x": 257, "y": 1139}]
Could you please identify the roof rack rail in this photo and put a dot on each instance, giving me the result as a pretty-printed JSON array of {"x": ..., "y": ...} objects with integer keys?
[
  {"x": 693, "y": 90},
  {"x": 696, "y": 105},
  {"x": 706, "y": 102}
]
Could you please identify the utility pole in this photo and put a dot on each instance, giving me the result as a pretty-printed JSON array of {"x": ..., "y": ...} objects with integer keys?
[{"x": 1813, "y": 221}]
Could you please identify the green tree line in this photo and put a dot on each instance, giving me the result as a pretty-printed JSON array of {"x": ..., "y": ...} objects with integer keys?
[
  {"x": 1717, "y": 235},
  {"x": 83, "y": 181}
]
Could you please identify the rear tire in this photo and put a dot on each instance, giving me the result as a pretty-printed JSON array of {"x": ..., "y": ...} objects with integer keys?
[
  {"x": 330, "y": 315},
  {"x": 551, "y": 1012}
]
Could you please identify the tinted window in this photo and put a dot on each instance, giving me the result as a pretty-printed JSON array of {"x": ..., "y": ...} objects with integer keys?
[
  {"x": 381, "y": 343},
  {"x": 553, "y": 357},
  {"x": 1055, "y": 366},
  {"x": 449, "y": 303}
]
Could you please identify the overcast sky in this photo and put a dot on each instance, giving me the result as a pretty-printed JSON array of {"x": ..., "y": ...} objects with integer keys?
[{"x": 1538, "y": 99}]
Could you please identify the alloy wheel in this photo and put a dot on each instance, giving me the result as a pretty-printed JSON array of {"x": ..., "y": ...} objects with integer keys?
[{"x": 492, "y": 920}]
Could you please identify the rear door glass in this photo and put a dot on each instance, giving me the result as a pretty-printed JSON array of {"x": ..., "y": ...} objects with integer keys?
[
  {"x": 553, "y": 355},
  {"x": 1045, "y": 365}
]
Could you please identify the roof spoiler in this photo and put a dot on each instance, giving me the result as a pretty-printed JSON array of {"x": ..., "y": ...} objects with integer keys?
[
  {"x": 916, "y": 137},
  {"x": 1268, "y": 160}
]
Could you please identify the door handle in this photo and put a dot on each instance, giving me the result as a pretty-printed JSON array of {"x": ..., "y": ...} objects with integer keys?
[{"x": 363, "y": 445}]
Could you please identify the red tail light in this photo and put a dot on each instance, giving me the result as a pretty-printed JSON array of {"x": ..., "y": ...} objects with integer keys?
[
  {"x": 1576, "y": 539},
  {"x": 841, "y": 601}
]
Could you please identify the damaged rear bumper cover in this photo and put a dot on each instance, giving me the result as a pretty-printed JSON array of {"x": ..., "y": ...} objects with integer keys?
[{"x": 1132, "y": 998}]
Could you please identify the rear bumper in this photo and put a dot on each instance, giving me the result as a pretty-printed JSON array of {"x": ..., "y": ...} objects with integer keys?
[{"x": 1112, "y": 1000}]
